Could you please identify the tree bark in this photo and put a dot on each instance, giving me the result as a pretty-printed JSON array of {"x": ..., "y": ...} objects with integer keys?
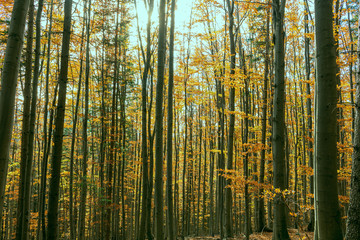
[
  {"x": 82, "y": 212},
  {"x": 326, "y": 204},
  {"x": 144, "y": 138},
  {"x": 52, "y": 228},
  {"x": 169, "y": 196},
  {"x": 353, "y": 220},
  {"x": 278, "y": 135},
  {"x": 21, "y": 229},
  {"x": 159, "y": 198},
  {"x": 8, "y": 87},
  {"x": 261, "y": 213},
  {"x": 228, "y": 192}
]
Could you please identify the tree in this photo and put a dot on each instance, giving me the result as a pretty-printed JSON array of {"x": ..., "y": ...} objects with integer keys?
[
  {"x": 169, "y": 195},
  {"x": 83, "y": 194},
  {"x": 326, "y": 196},
  {"x": 144, "y": 137},
  {"x": 228, "y": 196},
  {"x": 353, "y": 220},
  {"x": 8, "y": 87},
  {"x": 22, "y": 209},
  {"x": 52, "y": 228},
  {"x": 278, "y": 134},
  {"x": 159, "y": 198},
  {"x": 261, "y": 213}
]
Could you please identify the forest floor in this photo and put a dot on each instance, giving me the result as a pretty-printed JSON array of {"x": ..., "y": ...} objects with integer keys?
[{"x": 294, "y": 235}]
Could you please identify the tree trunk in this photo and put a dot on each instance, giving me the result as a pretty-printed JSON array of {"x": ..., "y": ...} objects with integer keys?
[
  {"x": 326, "y": 205},
  {"x": 52, "y": 228},
  {"x": 309, "y": 114},
  {"x": 22, "y": 217},
  {"x": 261, "y": 213},
  {"x": 41, "y": 218},
  {"x": 169, "y": 196},
  {"x": 228, "y": 196},
  {"x": 353, "y": 220},
  {"x": 8, "y": 87},
  {"x": 144, "y": 139},
  {"x": 159, "y": 198},
  {"x": 278, "y": 135},
  {"x": 83, "y": 194},
  {"x": 30, "y": 147}
]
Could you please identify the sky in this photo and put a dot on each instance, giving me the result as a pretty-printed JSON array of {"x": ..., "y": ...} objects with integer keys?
[{"x": 182, "y": 13}]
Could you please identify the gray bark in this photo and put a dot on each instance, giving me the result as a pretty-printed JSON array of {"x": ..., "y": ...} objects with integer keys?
[
  {"x": 8, "y": 87},
  {"x": 326, "y": 204},
  {"x": 159, "y": 198},
  {"x": 261, "y": 213},
  {"x": 82, "y": 212},
  {"x": 22, "y": 217},
  {"x": 353, "y": 219},
  {"x": 169, "y": 198},
  {"x": 278, "y": 135},
  {"x": 52, "y": 228},
  {"x": 228, "y": 192}
]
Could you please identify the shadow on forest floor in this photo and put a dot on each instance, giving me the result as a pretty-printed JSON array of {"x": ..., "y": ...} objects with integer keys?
[{"x": 294, "y": 235}]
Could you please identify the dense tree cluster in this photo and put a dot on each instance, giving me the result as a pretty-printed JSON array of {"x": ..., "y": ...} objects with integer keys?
[{"x": 243, "y": 120}]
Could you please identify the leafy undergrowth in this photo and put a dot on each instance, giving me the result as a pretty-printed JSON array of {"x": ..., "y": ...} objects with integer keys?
[{"x": 294, "y": 235}]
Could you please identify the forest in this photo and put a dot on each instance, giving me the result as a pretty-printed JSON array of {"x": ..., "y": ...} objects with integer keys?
[{"x": 188, "y": 119}]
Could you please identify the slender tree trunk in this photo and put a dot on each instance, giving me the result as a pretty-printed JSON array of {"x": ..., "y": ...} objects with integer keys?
[
  {"x": 326, "y": 205},
  {"x": 309, "y": 114},
  {"x": 41, "y": 218},
  {"x": 169, "y": 197},
  {"x": 123, "y": 138},
  {"x": 8, "y": 87},
  {"x": 353, "y": 220},
  {"x": 246, "y": 150},
  {"x": 83, "y": 194},
  {"x": 21, "y": 229},
  {"x": 72, "y": 148},
  {"x": 52, "y": 228},
  {"x": 228, "y": 192},
  {"x": 29, "y": 158},
  {"x": 144, "y": 149},
  {"x": 151, "y": 165},
  {"x": 261, "y": 213},
  {"x": 278, "y": 135},
  {"x": 159, "y": 198}
]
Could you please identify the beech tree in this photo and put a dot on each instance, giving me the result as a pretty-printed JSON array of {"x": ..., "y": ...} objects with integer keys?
[
  {"x": 52, "y": 227},
  {"x": 328, "y": 224},
  {"x": 278, "y": 123},
  {"x": 159, "y": 198},
  {"x": 353, "y": 221},
  {"x": 8, "y": 87}
]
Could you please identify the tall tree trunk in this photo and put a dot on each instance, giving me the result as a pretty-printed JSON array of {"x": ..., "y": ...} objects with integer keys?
[
  {"x": 246, "y": 149},
  {"x": 151, "y": 159},
  {"x": 326, "y": 195},
  {"x": 309, "y": 113},
  {"x": 278, "y": 135},
  {"x": 228, "y": 196},
  {"x": 159, "y": 198},
  {"x": 261, "y": 213},
  {"x": 82, "y": 212},
  {"x": 144, "y": 139},
  {"x": 52, "y": 228},
  {"x": 30, "y": 147},
  {"x": 8, "y": 87},
  {"x": 169, "y": 196},
  {"x": 353, "y": 220},
  {"x": 21, "y": 229},
  {"x": 41, "y": 218},
  {"x": 72, "y": 148}
]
